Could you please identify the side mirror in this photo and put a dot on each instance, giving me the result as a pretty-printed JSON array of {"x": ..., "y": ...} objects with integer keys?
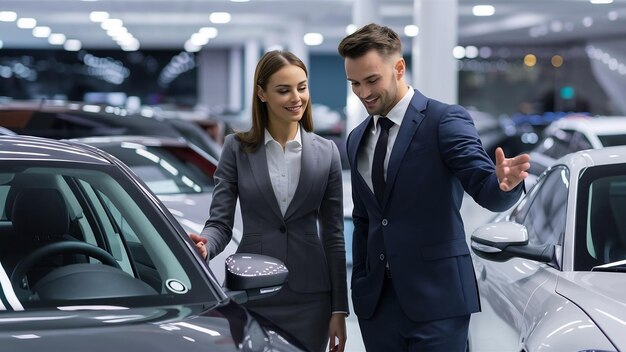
[
  {"x": 502, "y": 241},
  {"x": 253, "y": 276}
]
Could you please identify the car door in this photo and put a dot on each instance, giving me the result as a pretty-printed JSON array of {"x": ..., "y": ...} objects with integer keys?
[{"x": 507, "y": 287}]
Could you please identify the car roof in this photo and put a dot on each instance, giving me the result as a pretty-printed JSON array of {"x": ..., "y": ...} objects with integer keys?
[
  {"x": 140, "y": 139},
  {"x": 21, "y": 147},
  {"x": 594, "y": 157},
  {"x": 599, "y": 125}
]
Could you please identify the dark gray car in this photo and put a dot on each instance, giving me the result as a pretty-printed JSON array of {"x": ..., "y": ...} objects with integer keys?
[{"x": 91, "y": 260}]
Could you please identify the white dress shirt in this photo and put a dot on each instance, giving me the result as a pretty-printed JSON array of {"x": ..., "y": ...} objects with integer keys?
[
  {"x": 284, "y": 167},
  {"x": 366, "y": 153}
]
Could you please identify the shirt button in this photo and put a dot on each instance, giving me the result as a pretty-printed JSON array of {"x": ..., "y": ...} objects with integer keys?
[
  {"x": 385, "y": 222},
  {"x": 382, "y": 256}
]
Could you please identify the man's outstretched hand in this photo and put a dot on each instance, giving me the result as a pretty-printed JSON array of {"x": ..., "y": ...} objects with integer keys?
[
  {"x": 200, "y": 244},
  {"x": 511, "y": 171}
]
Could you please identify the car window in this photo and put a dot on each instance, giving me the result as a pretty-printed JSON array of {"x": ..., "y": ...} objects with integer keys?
[
  {"x": 556, "y": 144},
  {"x": 98, "y": 210},
  {"x": 521, "y": 209},
  {"x": 545, "y": 220},
  {"x": 579, "y": 142},
  {"x": 601, "y": 231},
  {"x": 613, "y": 140}
]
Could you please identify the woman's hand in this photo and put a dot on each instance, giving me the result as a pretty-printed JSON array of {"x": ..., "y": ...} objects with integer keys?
[
  {"x": 337, "y": 332},
  {"x": 200, "y": 244}
]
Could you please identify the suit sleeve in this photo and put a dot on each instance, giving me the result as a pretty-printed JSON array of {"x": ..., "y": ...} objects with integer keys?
[
  {"x": 218, "y": 229},
  {"x": 465, "y": 156},
  {"x": 360, "y": 220},
  {"x": 331, "y": 231}
]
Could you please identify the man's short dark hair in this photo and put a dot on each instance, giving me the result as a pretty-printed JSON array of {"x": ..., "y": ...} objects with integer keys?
[{"x": 372, "y": 36}]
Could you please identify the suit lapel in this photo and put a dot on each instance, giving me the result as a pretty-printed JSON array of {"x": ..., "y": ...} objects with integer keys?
[
  {"x": 307, "y": 170},
  {"x": 353, "y": 152},
  {"x": 410, "y": 123},
  {"x": 261, "y": 175}
]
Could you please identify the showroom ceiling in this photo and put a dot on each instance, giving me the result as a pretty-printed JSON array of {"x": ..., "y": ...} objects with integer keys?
[{"x": 168, "y": 24}]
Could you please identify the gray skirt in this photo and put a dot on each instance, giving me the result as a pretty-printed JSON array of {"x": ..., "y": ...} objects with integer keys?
[{"x": 303, "y": 315}]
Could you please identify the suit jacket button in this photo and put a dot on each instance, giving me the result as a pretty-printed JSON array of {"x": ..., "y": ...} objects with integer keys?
[
  {"x": 282, "y": 229},
  {"x": 385, "y": 222},
  {"x": 382, "y": 256}
]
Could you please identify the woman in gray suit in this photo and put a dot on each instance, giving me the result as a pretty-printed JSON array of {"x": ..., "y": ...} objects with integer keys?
[{"x": 288, "y": 182}]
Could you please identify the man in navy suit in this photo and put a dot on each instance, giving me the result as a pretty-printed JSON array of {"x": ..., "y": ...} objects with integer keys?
[{"x": 413, "y": 283}]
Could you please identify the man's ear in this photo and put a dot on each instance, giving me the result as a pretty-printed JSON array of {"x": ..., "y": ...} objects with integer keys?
[{"x": 399, "y": 68}]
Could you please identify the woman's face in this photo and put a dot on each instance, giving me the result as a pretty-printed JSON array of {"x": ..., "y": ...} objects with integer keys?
[{"x": 286, "y": 95}]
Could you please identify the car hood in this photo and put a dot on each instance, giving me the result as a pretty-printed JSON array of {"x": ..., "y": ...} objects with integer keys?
[
  {"x": 180, "y": 328},
  {"x": 191, "y": 210},
  {"x": 601, "y": 296}
]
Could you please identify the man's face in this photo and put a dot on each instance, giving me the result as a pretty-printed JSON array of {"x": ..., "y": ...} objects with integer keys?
[{"x": 375, "y": 81}]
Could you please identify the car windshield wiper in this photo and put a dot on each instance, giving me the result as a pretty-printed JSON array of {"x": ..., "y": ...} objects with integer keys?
[{"x": 618, "y": 266}]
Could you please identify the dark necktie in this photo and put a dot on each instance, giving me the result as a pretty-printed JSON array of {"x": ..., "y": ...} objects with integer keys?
[{"x": 378, "y": 164}]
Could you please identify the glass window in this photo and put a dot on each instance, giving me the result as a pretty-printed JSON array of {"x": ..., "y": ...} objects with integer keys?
[
  {"x": 613, "y": 140},
  {"x": 601, "y": 231},
  {"x": 100, "y": 209},
  {"x": 545, "y": 220}
]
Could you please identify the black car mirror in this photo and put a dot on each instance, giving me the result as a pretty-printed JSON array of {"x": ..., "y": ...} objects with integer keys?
[{"x": 253, "y": 276}]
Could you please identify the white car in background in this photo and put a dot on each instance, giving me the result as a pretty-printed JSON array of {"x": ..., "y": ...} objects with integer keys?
[
  {"x": 574, "y": 133},
  {"x": 551, "y": 271},
  {"x": 180, "y": 174}
]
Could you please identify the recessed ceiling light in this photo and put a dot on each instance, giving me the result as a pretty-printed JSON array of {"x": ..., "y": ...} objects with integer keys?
[
  {"x": 483, "y": 10},
  {"x": 411, "y": 30},
  {"x": 219, "y": 17},
  {"x": 26, "y": 22},
  {"x": 72, "y": 45},
  {"x": 98, "y": 16},
  {"x": 351, "y": 28},
  {"x": 8, "y": 16},
  {"x": 601, "y": 2},
  {"x": 56, "y": 39},
  {"x": 313, "y": 39},
  {"x": 41, "y": 32}
]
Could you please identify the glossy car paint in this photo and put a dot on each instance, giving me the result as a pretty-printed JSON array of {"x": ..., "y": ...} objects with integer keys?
[{"x": 542, "y": 307}]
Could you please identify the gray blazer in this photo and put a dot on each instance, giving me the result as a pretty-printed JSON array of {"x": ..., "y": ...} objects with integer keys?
[{"x": 316, "y": 259}]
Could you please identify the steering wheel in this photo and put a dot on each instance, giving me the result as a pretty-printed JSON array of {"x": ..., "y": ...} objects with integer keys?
[{"x": 56, "y": 248}]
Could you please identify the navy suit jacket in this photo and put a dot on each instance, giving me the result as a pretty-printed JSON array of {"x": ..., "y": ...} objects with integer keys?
[{"x": 418, "y": 228}]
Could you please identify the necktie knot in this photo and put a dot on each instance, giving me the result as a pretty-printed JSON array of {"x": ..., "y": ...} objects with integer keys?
[{"x": 385, "y": 123}]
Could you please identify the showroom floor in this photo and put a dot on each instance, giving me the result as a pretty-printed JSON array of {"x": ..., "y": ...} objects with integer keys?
[{"x": 473, "y": 216}]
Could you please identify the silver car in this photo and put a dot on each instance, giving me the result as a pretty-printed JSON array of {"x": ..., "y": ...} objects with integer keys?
[{"x": 552, "y": 270}]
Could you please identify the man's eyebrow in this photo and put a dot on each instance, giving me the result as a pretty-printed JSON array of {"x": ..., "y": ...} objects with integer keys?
[{"x": 366, "y": 78}]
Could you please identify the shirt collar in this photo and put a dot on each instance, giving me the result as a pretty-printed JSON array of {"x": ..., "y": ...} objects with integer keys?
[
  {"x": 396, "y": 114},
  {"x": 297, "y": 139}
]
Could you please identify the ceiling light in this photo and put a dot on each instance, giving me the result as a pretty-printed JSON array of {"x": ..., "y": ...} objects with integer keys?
[
  {"x": 458, "y": 52},
  {"x": 313, "y": 39},
  {"x": 98, "y": 16},
  {"x": 56, "y": 39},
  {"x": 190, "y": 47},
  {"x": 219, "y": 17},
  {"x": 8, "y": 16},
  {"x": 351, "y": 28},
  {"x": 483, "y": 10},
  {"x": 111, "y": 23},
  {"x": 72, "y": 45},
  {"x": 587, "y": 21},
  {"x": 41, "y": 32},
  {"x": 198, "y": 39},
  {"x": 209, "y": 32},
  {"x": 26, "y": 22},
  {"x": 613, "y": 15},
  {"x": 601, "y": 2},
  {"x": 471, "y": 52},
  {"x": 239, "y": 0},
  {"x": 411, "y": 30}
]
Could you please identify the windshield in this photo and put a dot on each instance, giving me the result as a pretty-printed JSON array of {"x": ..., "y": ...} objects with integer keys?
[
  {"x": 166, "y": 169},
  {"x": 613, "y": 140},
  {"x": 601, "y": 215},
  {"x": 58, "y": 225}
]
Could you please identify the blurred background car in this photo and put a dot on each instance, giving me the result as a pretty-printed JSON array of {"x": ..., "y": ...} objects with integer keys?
[
  {"x": 552, "y": 270},
  {"x": 180, "y": 174},
  {"x": 574, "y": 133},
  {"x": 91, "y": 260},
  {"x": 65, "y": 120}
]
